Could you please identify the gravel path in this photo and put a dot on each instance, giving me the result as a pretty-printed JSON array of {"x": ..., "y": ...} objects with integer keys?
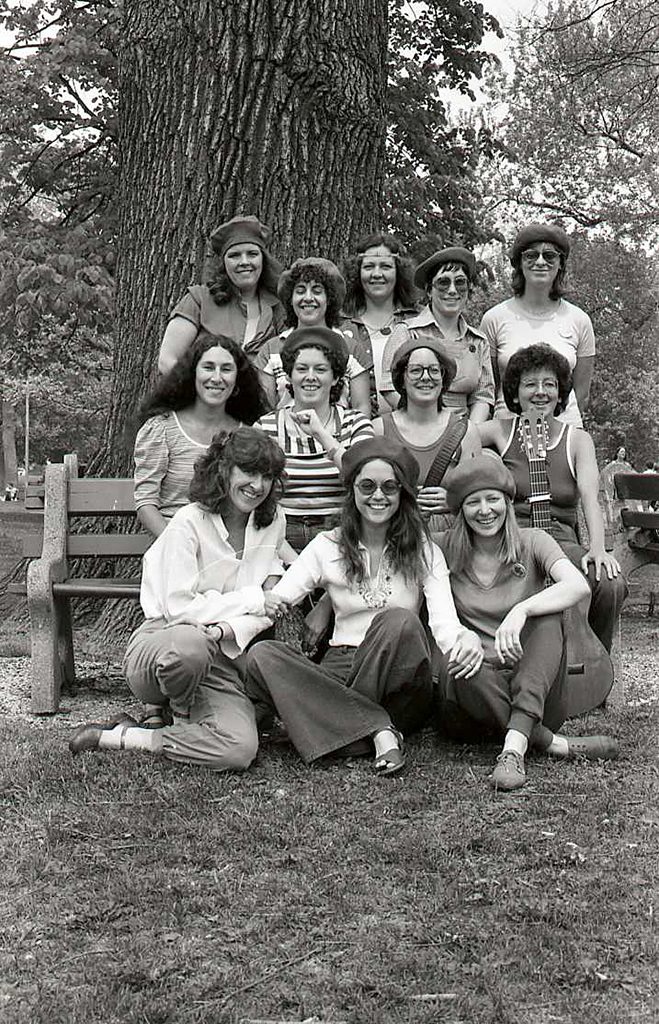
[{"x": 101, "y": 690}]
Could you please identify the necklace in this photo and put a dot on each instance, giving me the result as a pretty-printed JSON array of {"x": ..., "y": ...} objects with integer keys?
[{"x": 384, "y": 328}]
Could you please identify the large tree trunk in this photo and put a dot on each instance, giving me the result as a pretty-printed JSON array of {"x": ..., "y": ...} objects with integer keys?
[
  {"x": 271, "y": 107},
  {"x": 9, "y": 443}
]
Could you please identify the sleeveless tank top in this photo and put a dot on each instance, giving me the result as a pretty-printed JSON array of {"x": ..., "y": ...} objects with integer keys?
[
  {"x": 423, "y": 453},
  {"x": 560, "y": 473}
]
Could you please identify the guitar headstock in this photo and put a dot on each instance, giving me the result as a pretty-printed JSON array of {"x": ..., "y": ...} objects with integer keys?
[{"x": 534, "y": 434}]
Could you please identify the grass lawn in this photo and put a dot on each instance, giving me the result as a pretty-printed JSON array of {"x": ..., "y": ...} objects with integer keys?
[{"x": 137, "y": 891}]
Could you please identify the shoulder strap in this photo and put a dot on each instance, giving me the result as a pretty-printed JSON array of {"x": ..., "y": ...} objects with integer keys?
[{"x": 452, "y": 437}]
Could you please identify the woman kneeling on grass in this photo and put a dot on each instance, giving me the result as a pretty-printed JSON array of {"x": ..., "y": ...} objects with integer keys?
[
  {"x": 516, "y": 686},
  {"x": 203, "y": 598},
  {"x": 376, "y": 567}
]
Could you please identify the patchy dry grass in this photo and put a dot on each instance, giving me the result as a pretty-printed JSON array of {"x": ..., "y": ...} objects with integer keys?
[{"x": 136, "y": 891}]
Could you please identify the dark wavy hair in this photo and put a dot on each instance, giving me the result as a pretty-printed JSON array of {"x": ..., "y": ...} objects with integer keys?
[
  {"x": 534, "y": 358},
  {"x": 176, "y": 390},
  {"x": 398, "y": 381},
  {"x": 407, "y": 534},
  {"x": 311, "y": 273},
  {"x": 405, "y": 291},
  {"x": 250, "y": 450},
  {"x": 222, "y": 290},
  {"x": 559, "y": 285},
  {"x": 338, "y": 364}
]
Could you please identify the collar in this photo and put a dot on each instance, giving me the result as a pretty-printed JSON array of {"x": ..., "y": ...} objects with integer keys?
[{"x": 426, "y": 319}]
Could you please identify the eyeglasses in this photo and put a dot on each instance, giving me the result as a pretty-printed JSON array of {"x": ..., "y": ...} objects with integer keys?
[
  {"x": 416, "y": 372},
  {"x": 388, "y": 487},
  {"x": 550, "y": 256},
  {"x": 443, "y": 285}
]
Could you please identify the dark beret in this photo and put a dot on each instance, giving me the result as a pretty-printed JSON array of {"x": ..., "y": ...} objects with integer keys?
[
  {"x": 477, "y": 474},
  {"x": 239, "y": 231},
  {"x": 420, "y": 340},
  {"x": 539, "y": 233},
  {"x": 455, "y": 254},
  {"x": 381, "y": 448}
]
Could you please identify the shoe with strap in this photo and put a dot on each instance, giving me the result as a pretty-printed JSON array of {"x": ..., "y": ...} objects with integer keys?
[
  {"x": 593, "y": 748},
  {"x": 509, "y": 772},
  {"x": 87, "y": 737}
]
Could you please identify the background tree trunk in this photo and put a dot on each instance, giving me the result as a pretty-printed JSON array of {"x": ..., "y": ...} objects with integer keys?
[
  {"x": 9, "y": 460},
  {"x": 274, "y": 108}
]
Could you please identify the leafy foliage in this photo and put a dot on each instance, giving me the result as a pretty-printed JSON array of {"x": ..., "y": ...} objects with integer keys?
[
  {"x": 432, "y": 186},
  {"x": 580, "y": 137}
]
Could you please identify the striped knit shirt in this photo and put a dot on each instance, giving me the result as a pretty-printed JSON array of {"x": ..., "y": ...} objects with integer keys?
[
  {"x": 313, "y": 485},
  {"x": 164, "y": 463}
]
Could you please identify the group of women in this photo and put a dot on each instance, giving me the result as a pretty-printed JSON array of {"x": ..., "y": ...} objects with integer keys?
[{"x": 318, "y": 440}]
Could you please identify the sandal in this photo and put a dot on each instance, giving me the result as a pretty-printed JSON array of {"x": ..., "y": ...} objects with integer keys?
[
  {"x": 393, "y": 760},
  {"x": 155, "y": 718}
]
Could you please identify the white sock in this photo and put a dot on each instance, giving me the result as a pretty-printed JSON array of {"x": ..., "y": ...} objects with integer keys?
[
  {"x": 384, "y": 740},
  {"x": 134, "y": 738},
  {"x": 559, "y": 746},
  {"x": 516, "y": 741}
]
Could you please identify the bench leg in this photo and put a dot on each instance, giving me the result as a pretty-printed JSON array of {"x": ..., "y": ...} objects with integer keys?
[
  {"x": 616, "y": 698},
  {"x": 46, "y": 668},
  {"x": 65, "y": 639}
]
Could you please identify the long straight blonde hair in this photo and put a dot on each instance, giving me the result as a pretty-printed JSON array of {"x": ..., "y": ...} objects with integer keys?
[{"x": 460, "y": 541}]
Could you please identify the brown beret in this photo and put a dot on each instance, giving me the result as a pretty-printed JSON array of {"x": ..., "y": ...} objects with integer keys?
[
  {"x": 483, "y": 471},
  {"x": 455, "y": 254},
  {"x": 238, "y": 231},
  {"x": 381, "y": 448}
]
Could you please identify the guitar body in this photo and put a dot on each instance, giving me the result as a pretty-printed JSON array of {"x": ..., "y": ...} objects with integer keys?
[{"x": 590, "y": 669}]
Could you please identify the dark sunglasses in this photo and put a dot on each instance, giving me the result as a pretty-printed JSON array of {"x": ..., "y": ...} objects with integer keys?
[
  {"x": 388, "y": 488},
  {"x": 550, "y": 256}
]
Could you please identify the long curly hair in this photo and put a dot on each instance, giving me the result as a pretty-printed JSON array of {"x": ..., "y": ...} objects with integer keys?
[
  {"x": 222, "y": 290},
  {"x": 250, "y": 450},
  {"x": 535, "y": 357},
  {"x": 338, "y": 364},
  {"x": 407, "y": 534},
  {"x": 406, "y": 294},
  {"x": 176, "y": 390},
  {"x": 460, "y": 541},
  {"x": 311, "y": 273}
]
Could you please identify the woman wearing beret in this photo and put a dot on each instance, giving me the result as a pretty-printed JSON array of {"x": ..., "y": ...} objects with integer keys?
[
  {"x": 314, "y": 432},
  {"x": 538, "y": 380},
  {"x": 240, "y": 302},
  {"x": 376, "y": 566},
  {"x": 311, "y": 291},
  {"x": 212, "y": 388},
  {"x": 516, "y": 685},
  {"x": 202, "y": 595},
  {"x": 439, "y": 440},
  {"x": 380, "y": 294},
  {"x": 539, "y": 313},
  {"x": 447, "y": 277}
]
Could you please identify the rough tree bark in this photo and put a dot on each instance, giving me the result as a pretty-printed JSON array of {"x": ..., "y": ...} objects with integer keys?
[{"x": 273, "y": 107}]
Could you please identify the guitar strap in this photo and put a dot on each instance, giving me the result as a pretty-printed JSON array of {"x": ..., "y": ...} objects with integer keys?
[{"x": 452, "y": 438}]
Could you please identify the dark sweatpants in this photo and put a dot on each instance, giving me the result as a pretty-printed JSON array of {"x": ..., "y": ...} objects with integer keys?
[
  {"x": 353, "y": 693},
  {"x": 529, "y": 697}
]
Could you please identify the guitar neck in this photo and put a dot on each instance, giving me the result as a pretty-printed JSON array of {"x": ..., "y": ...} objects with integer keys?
[{"x": 539, "y": 498}]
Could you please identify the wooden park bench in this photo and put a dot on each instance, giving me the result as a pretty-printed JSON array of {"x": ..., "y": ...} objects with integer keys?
[
  {"x": 634, "y": 527},
  {"x": 50, "y": 585}
]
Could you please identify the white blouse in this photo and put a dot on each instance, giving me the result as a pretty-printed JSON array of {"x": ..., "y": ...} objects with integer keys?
[
  {"x": 355, "y": 605},
  {"x": 191, "y": 573}
]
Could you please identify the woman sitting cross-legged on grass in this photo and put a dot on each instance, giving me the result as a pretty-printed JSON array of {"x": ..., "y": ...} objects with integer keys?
[
  {"x": 376, "y": 567},
  {"x": 203, "y": 598},
  {"x": 516, "y": 684}
]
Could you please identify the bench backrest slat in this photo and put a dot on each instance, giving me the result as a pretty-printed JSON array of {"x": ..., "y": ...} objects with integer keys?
[
  {"x": 639, "y": 486},
  {"x": 97, "y": 496},
  {"x": 103, "y": 545}
]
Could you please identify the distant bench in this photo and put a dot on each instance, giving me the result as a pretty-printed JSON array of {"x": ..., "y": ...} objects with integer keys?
[
  {"x": 634, "y": 527},
  {"x": 49, "y": 586}
]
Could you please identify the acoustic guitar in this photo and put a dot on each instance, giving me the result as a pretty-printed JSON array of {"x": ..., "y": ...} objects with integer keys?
[{"x": 590, "y": 669}]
